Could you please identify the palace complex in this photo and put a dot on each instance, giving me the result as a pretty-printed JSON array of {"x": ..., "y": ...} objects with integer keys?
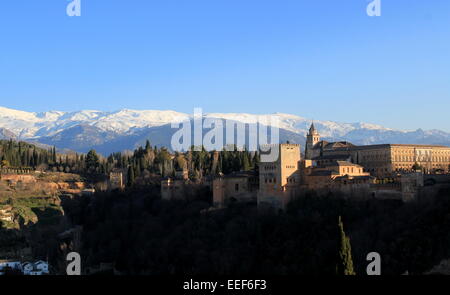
[{"x": 382, "y": 170}]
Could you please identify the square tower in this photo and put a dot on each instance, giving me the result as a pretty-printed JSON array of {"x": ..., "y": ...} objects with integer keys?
[{"x": 280, "y": 179}]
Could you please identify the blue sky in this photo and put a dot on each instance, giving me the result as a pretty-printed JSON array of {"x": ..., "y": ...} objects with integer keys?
[{"x": 325, "y": 60}]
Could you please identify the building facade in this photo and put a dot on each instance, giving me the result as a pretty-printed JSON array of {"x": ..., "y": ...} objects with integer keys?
[
  {"x": 173, "y": 189},
  {"x": 235, "y": 187},
  {"x": 117, "y": 179},
  {"x": 279, "y": 181},
  {"x": 381, "y": 160},
  {"x": 335, "y": 175},
  {"x": 390, "y": 159}
]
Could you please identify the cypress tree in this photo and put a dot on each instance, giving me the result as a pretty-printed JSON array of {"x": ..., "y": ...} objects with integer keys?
[
  {"x": 255, "y": 161},
  {"x": 92, "y": 161},
  {"x": 130, "y": 176},
  {"x": 138, "y": 168},
  {"x": 345, "y": 262},
  {"x": 54, "y": 155},
  {"x": 148, "y": 147},
  {"x": 245, "y": 161}
]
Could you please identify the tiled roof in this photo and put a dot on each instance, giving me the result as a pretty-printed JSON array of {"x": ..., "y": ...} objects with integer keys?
[
  {"x": 241, "y": 174},
  {"x": 332, "y": 157},
  {"x": 346, "y": 163},
  {"x": 322, "y": 173}
]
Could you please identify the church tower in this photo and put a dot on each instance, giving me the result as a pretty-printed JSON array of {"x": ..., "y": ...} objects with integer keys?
[{"x": 312, "y": 139}]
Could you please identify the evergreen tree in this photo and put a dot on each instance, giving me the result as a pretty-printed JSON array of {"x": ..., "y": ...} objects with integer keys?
[
  {"x": 54, "y": 155},
  {"x": 92, "y": 161},
  {"x": 345, "y": 262},
  {"x": 245, "y": 161},
  {"x": 138, "y": 168},
  {"x": 130, "y": 181},
  {"x": 148, "y": 147},
  {"x": 255, "y": 162}
]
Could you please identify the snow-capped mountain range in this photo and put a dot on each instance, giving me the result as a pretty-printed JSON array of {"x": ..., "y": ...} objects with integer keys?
[
  {"x": 33, "y": 125},
  {"x": 125, "y": 129}
]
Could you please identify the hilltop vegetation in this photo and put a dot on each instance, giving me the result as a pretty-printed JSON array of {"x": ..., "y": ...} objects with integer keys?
[
  {"x": 141, "y": 234},
  {"x": 19, "y": 154},
  {"x": 142, "y": 163}
]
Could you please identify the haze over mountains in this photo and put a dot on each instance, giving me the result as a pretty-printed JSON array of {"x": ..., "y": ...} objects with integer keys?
[{"x": 126, "y": 129}]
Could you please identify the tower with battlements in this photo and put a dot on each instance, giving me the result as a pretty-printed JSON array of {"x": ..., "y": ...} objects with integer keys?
[{"x": 279, "y": 180}]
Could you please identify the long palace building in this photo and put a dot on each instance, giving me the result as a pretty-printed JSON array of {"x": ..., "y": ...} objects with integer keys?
[{"x": 381, "y": 160}]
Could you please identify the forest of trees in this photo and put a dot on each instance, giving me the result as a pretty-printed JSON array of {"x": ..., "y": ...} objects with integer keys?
[
  {"x": 160, "y": 161},
  {"x": 19, "y": 154},
  {"x": 144, "y": 160},
  {"x": 24, "y": 155},
  {"x": 142, "y": 234}
]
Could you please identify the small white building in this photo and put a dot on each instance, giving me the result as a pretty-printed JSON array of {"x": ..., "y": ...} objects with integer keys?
[
  {"x": 37, "y": 268},
  {"x": 27, "y": 267},
  {"x": 41, "y": 266},
  {"x": 9, "y": 264}
]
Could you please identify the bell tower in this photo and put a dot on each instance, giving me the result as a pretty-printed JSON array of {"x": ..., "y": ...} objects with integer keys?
[{"x": 312, "y": 138}]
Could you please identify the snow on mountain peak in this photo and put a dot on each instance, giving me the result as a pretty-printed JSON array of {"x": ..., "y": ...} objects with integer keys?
[
  {"x": 35, "y": 125},
  {"x": 124, "y": 120},
  {"x": 64, "y": 128},
  {"x": 17, "y": 115}
]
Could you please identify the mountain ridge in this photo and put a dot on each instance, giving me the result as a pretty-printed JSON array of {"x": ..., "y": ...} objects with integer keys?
[{"x": 80, "y": 130}]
